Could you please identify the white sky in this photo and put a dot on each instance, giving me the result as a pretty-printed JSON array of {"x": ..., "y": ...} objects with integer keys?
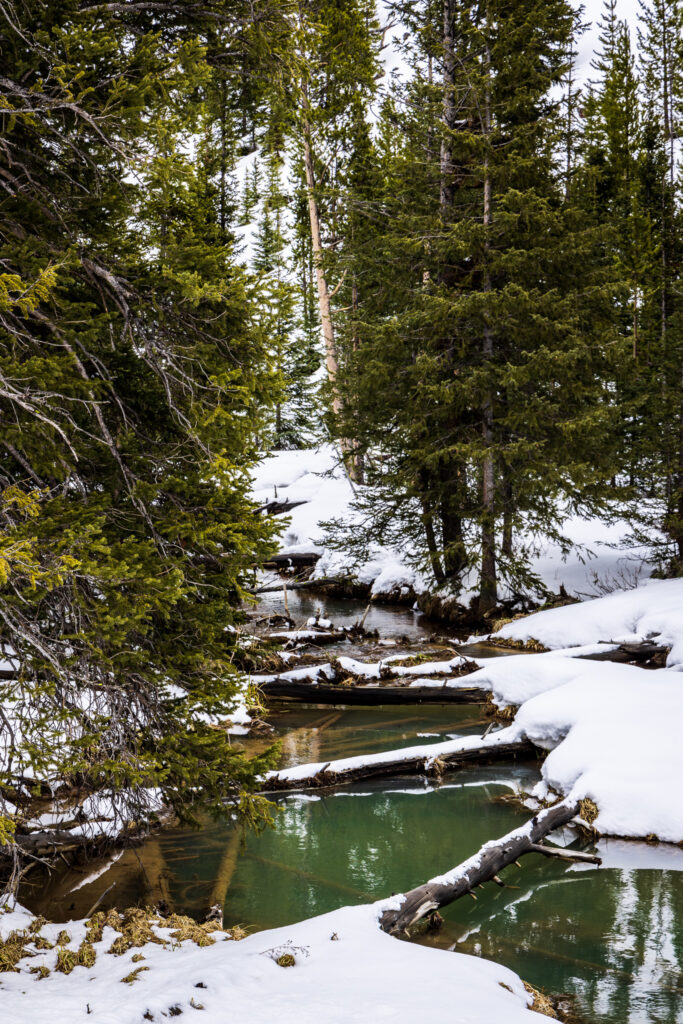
[{"x": 627, "y": 9}]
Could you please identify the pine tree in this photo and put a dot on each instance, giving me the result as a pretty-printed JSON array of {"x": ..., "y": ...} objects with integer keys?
[
  {"x": 488, "y": 329},
  {"x": 133, "y": 381},
  {"x": 660, "y": 36}
]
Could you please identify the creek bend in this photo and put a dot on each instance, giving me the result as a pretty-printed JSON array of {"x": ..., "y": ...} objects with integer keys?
[{"x": 611, "y": 937}]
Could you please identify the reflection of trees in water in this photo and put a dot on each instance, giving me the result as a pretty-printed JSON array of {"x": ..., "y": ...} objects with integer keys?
[{"x": 613, "y": 938}]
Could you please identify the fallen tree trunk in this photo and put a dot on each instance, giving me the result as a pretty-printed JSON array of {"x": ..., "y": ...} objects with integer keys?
[
  {"x": 295, "y": 560},
  {"x": 491, "y": 859},
  {"x": 646, "y": 653},
  {"x": 434, "y": 764},
  {"x": 317, "y": 639},
  {"x": 326, "y": 581},
  {"x": 371, "y": 696},
  {"x": 277, "y": 507}
]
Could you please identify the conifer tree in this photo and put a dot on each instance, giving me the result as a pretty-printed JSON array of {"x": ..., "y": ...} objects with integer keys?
[
  {"x": 487, "y": 334},
  {"x": 133, "y": 381}
]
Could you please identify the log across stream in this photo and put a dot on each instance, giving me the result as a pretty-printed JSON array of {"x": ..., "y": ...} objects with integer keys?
[{"x": 612, "y": 936}]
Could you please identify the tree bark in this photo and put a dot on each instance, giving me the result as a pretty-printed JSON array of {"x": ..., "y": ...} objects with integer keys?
[
  {"x": 488, "y": 595},
  {"x": 491, "y": 859},
  {"x": 397, "y": 764},
  {"x": 366, "y": 695}
]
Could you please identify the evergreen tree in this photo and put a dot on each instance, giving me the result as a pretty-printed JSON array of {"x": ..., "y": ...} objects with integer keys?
[
  {"x": 480, "y": 360},
  {"x": 133, "y": 380},
  {"x": 660, "y": 36},
  {"x": 295, "y": 357}
]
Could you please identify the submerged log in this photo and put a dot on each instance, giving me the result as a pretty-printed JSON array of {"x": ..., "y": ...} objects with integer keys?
[
  {"x": 434, "y": 764},
  {"x": 560, "y": 854},
  {"x": 490, "y": 860},
  {"x": 369, "y": 695}
]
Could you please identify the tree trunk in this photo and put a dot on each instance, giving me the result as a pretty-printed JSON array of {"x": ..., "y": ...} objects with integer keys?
[
  {"x": 451, "y": 475},
  {"x": 483, "y": 867},
  {"x": 369, "y": 695},
  {"x": 339, "y": 773},
  {"x": 488, "y": 596}
]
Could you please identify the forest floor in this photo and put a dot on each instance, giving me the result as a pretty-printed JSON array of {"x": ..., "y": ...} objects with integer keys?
[{"x": 600, "y": 554}]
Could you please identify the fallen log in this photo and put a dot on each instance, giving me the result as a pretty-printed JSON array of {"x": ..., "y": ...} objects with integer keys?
[
  {"x": 369, "y": 695},
  {"x": 433, "y": 762},
  {"x": 316, "y": 637},
  {"x": 325, "y": 581},
  {"x": 295, "y": 560},
  {"x": 277, "y": 507},
  {"x": 645, "y": 654},
  {"x": 560, "y": 854},
  {"x": 482, "y": 867}
]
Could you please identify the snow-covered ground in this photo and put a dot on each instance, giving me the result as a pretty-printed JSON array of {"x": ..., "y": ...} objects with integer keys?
[
  {"x": 317, "y": 478},
  {"x": 345, "y": 970},
  {"x": 650, "y": 612}
]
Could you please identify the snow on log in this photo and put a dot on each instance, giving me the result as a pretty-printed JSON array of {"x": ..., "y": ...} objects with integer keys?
[
  {"x": 427, "y": 759},
  {"x": 482, "y": 867}
]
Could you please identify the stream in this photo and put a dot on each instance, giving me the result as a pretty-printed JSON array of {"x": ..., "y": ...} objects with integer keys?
[{"x": 610, "y": 937}]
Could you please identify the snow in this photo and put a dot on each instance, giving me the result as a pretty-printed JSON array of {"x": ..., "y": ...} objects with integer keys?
[
  {"x": 316, "y": 477},
  {"x": 651, "y": 611},
  {"x": 347, "y": 970}
]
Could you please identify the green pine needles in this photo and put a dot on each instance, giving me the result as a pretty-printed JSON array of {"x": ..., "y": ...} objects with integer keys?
[{"x": 134, "y": 385}]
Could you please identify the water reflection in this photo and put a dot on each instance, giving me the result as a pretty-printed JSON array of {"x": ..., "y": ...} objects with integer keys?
[{"x": 612, "y": 937}]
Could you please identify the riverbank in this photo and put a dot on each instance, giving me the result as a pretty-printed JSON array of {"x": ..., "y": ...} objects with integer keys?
[
  {"x": 587, "y": 716},
  {"x": 310, "y": 488}
]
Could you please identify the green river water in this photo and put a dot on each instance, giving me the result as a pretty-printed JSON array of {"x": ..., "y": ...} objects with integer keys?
[{"x": 612, "y": 937}]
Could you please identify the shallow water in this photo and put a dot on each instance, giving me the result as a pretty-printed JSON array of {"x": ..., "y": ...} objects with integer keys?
[{"x": 611, "y": 937}]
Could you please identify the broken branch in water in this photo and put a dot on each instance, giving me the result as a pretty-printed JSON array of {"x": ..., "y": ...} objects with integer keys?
[{"x": 482, "y": 867}]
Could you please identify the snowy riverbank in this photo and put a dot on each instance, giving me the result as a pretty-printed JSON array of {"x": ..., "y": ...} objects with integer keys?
[
  {"x": 339, "y": 967},
  {"x": 315, "y": 479}
]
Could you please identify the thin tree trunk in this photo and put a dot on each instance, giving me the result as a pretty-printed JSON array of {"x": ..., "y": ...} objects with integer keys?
[
  {"x": 488, "y": 597},
  {"x": 324, "y": 301},
  {"x": 452, "y": 474}
]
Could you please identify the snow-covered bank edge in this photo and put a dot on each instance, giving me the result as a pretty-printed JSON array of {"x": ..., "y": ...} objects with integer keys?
[
  {"x": 339, "y": 967},
  {"x": 314, "y": 484}
]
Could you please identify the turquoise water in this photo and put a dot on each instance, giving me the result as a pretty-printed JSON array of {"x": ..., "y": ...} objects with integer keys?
[{"x": 611, "y": 938}]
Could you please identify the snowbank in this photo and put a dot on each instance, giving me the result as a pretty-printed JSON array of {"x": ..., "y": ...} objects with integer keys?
[
  {"x": 346, "y": 970},
  {"x": 652, "y": 611},
  {"x": 317, "y": 478}
]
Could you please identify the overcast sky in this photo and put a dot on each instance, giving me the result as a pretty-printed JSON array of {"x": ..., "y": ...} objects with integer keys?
[{"x": 628, "y": 10}]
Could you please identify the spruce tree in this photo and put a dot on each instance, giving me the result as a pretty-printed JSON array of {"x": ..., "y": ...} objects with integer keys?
[
  {"x": 479, "y": 363},
  {"x": 133, "y": 380}
]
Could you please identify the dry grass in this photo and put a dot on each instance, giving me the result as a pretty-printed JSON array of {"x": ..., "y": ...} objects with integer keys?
[
  {"x": 12, "y": 950},
  {"x": 532, "y": 645},
  {"x": 67, "y": 959},
  {"x": 541, "y": 1002},
  {"x": 134, "y": 975},
  {"x": 588, "y": 810},
  {"x": 504, "y": 714}
]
